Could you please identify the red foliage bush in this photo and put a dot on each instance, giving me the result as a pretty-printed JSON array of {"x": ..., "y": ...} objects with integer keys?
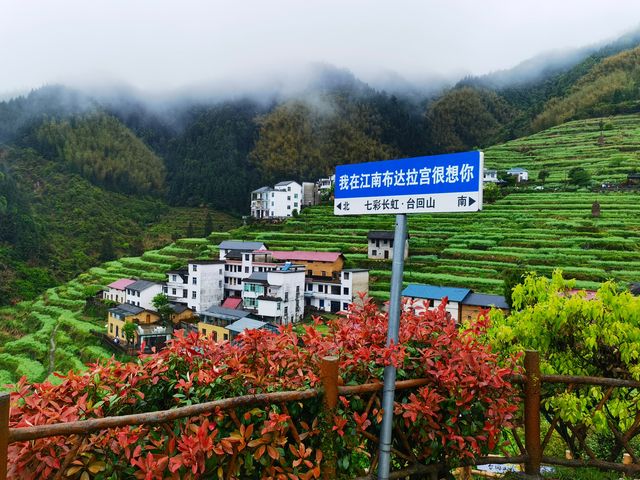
[{"x": 459, "y": 413}]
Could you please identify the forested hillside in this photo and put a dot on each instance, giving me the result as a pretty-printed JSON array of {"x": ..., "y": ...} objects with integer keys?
[
  {"x": 102, "y": 150},
  {"x": 55, "y": 224}
]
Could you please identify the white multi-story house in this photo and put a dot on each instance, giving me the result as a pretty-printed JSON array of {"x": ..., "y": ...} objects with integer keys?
[
  {"x": 521, "y": 174},
  {"x": 236, "y": 247},
  {"x": 205, "y": 283},
  {"x": 380, "y": 245},
  {"x": 277, "y": 202},
  {"x": 117, "y": 291},
  {"x": 141, "y": 293},
  {"x": 288, "y": 197},
  {"x": 336, "y": 294},
  {"x": 490, "y": 176},
  {"x": 325, "y": 184},
  {"x": 276, "y": 295},
  {"x": 260, "y": 199},
  {"x": 177, "y": 286}
]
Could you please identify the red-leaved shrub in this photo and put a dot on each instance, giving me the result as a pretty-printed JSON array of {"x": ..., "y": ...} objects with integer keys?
[{"x": 460, "y": 413}]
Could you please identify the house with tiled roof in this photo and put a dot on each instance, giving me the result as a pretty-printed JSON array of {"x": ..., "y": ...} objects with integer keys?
[
  {"x": 380, "y": 245},
  {"x": 116, "y": 291},
  {"x": 462, "y": 303},
  {"x": 421, "y": 297},
  {"x": 277, "y": 202},
  {"x": 142, "y": 292}
]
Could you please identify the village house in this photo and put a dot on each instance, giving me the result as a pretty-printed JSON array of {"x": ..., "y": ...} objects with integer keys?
[
  {"x": 116, "y": 291},
  {"x": 463, "y": 304},
  {"x": 521, "y": 174},
  {"x": 333, "y": 294},
  {"x": 248, "y": 323},
  {"x": 141, "y": 293},
  {"x": 380, "y": 245},
  {"x": 430, "y": 296},
  {"x": 177, "y": 286},
  {"x": 276, "y": 295},
  {"x": 237, "y": 247},
  {"x": 490, "y": 176},
  {"x": 206, "y": 284},
  {"x": 474, "y": 303},
  {"x": 124, "y": 313},
  {"x": 215, "y": 320},
  {"x": 327, "y": 287},
  {"x": 277, "y": 202}
]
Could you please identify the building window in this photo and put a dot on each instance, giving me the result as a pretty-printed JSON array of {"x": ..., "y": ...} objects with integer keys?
[
  {"x": 345, "y": 291},
  {"x": 297, "y": 290},
  {"x": 220, "y": 272},
  {"x": 226, "y": 336},
  {"x": 173, "y": 278},
  {"x": 374, "y": 253},
  {"x": 345, "y": 306},
  {"x": 185, "y": 293},
  {"x": 321, "y": 303},
  {"x": 278, "y": 306},
  {"x": 295, "y": 204},
  {"x": 193, "y": 308},
  {"x": 173, "y": 291},
  {"x": 295, "y": 195},
  {"x": 193, "y": 295},
  {"x": 138, "y": 293},
  {"x": 286, "y": 296},
  {"x": 219, "y": 283},
  {"x": 111, "y": 327},
  {"x": 346, "y": 275},
  {"x": 246, "y": 269},
  {"x": 194, "y": 280},
  {"x": 195, "y": 268},
  {"x": 164, "y": 289}
]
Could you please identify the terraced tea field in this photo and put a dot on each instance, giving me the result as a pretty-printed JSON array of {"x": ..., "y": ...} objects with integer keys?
[
  {"x": 53, "y": 333},
  {"x": 540, "y": 231},
  {"x": 572, "y": 144}
]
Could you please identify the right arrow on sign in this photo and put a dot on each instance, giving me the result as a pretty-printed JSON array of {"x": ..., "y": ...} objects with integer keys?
[{"x": 471, "y": 201}]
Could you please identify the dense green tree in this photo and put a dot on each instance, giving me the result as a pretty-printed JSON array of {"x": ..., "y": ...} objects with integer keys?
[
  {"x": 511, "y": 278},
  {"x": 107, "y": 251},
  {"x": 490, "y": 193},
  {"x": 208, "y": 160},
  {"x": 208, "y": 225},
  {"x": 543, "y": 175},
  {"x": 579, "y": 176},
  {"x": 129, "y": 331},
  {"x": 304, "y": 141},
  {"x": 466, "y": 118},
  {"x": 101, "y": 149},
  {"x": 578, "y": 335},
  {"x": 161, "y": 303}
]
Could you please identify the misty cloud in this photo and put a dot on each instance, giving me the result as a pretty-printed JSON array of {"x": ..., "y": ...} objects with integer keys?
[{"x": 156, "y": 46}]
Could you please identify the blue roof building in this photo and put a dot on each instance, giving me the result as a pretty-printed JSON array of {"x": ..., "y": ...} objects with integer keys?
[{"x": 433, "y": 292}]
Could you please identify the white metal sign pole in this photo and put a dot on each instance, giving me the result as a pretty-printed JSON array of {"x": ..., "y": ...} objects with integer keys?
[{"x": 388, "y": 391}]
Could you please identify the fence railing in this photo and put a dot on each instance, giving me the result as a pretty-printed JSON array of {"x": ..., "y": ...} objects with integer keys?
[{"x": 531, "y": 451}]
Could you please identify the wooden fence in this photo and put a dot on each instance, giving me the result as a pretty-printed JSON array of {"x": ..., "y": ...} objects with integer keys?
[{"x": 531, "y": 451}]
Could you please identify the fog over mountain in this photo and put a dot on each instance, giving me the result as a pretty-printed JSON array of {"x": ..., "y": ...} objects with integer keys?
[{"x": 218, "y": 48}]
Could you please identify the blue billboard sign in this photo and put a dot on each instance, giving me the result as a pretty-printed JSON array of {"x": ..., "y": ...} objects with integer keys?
[{"x": 440, "y": 183}]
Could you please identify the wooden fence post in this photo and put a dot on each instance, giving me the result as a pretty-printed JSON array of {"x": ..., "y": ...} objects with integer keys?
[
  {"x": 329, "y": 379},
  {"x": 532, "y": 413},
  {"x": 4, "y": 433}
]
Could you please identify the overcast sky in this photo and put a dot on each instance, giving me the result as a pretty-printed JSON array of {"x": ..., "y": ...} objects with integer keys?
[{"x": 160, "y": 44}]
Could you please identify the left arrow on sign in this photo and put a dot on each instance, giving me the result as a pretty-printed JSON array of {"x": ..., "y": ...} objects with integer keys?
[{"x": 339, "y": 206}]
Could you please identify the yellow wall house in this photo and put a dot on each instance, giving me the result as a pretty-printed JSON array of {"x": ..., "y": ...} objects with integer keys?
[
  {"x": 126, "y": 313},
  {"x": 317, "y": 264}
]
